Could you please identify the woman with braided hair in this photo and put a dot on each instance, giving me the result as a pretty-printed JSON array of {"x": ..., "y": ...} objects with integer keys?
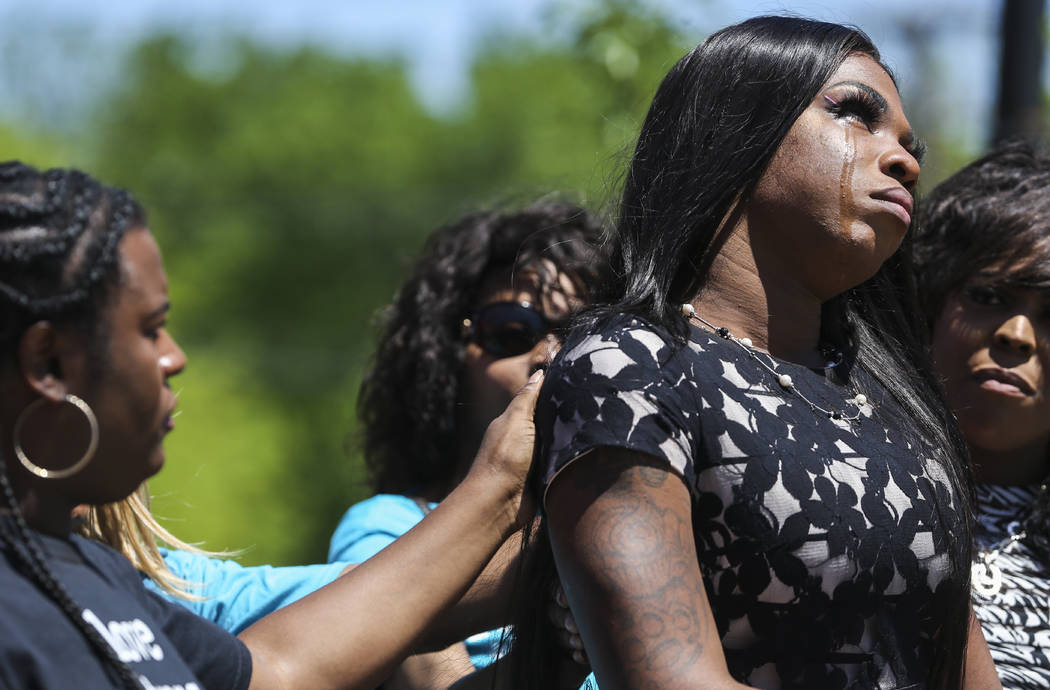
[{"x": 84, "y": 408}]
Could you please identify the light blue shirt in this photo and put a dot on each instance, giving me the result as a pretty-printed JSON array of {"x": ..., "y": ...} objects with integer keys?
[
  {"x": 371, "y": 525},
  {"x": 235, "y": 595}
]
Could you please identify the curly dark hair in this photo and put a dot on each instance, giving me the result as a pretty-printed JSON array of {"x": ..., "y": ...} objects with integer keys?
[
  {"x": 408, "y": 398},
  {"x": 992, "y": 214},
  {"x": 60, "y": 232}
]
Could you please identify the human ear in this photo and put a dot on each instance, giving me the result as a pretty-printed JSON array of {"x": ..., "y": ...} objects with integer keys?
[{"x": 39, "y": 361}]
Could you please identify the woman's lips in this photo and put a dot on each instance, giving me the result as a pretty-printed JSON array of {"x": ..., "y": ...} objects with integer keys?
[
  {"x": 898, "y": 201},
  {"x": 1003, "y": 382},
  {"x": 169, "y": 419}
]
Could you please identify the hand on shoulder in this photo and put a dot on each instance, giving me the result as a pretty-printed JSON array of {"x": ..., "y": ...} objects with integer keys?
[{"x": 505, "y": 456}]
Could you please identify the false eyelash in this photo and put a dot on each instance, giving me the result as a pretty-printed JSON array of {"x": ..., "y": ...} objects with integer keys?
[
  {"x": 858, "y": 104},
  {"x": 917, "y": 149},
  {"x": 868, "y": 110}
]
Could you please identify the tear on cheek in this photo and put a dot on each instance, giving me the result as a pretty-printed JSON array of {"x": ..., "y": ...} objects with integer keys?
[{"x": 849, "y": 161}]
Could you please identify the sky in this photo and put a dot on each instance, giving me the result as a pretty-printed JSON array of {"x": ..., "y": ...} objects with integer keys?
[{"x": 438, "y": 37}]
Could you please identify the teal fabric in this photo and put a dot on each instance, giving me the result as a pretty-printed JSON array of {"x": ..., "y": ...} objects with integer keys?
[
  {"x": 369, "y": 526},
  {"x": 235, "y": 595}
]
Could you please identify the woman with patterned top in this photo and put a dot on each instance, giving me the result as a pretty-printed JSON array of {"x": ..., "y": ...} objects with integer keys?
[
  {"x": 984, "y": 269},
  {"x": 750, "y": 479}
]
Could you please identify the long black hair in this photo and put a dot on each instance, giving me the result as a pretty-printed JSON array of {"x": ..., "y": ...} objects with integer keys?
[
  {"x": 714, "y": 125},
  {"x": 414, "y": 382},
  {"x": 993, "y": 215},
  {"x": 59, "y": 261}
]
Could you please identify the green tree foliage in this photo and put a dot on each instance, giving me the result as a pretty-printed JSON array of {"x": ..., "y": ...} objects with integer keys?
[
  {"x": 18, "y": 144},
  {"x": 284, "y": 195},
  {"x": 288, "y": 191},
  {"x": 565, "y": 116}
]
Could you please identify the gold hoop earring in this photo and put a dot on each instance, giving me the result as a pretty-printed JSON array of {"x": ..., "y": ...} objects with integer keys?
[{"x": 75, "y": 467}]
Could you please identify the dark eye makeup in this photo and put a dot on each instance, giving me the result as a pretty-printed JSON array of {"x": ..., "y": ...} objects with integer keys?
[
  {"x": 858, "y": 101},
  {"x": 856, "y": 104}
]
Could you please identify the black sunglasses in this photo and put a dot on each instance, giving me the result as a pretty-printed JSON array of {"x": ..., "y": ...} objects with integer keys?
[{"x": 508, "y": 329}]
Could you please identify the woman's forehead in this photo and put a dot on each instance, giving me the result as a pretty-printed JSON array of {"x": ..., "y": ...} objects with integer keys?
[
  {"x": 542, "y": 282},
  {"x": 142, "y": 270},
  {"x": 1026, "y": 264},
  {"x": 863, "y": 69}
]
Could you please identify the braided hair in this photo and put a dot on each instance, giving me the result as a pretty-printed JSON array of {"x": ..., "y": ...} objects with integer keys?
[{"x": 59, "y": 259}]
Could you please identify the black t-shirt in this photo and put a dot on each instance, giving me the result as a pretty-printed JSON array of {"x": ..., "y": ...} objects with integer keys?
[
  {"x": 167, "y": 645},
  {"x": 823, "y": 545}
]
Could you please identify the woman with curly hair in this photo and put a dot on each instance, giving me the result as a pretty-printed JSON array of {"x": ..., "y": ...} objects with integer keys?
[{"x": 477, "y": 316}]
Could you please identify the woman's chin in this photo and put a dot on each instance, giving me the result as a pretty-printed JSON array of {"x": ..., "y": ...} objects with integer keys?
[{"x": 156, "y": 462}]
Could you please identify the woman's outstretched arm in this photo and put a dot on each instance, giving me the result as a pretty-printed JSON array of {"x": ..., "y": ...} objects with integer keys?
[
  {"x": 485, "y": 606},
  {"x": 622, "y": 535},
  {"x": 353, "y": 632}
]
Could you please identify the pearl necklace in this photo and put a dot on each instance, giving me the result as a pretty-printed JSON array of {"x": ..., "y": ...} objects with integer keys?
[{"x": 858, "y": 401}]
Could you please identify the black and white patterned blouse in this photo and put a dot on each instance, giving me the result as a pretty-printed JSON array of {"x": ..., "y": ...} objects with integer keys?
[
  {"x": 1016, "y": 620},
  {"x": 821, "y": 544}
]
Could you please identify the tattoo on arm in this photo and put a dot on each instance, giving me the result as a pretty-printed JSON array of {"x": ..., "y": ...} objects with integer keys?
[
  {"x": 629, "y": 551},
  {"x": 652, "y": 476}
]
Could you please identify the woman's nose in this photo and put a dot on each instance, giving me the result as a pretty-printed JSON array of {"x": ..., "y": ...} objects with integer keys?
[
  {"x": 899, "y": 163},
  {"x": 174, "y": 359},
  {"x": 1017, "y": 334}
]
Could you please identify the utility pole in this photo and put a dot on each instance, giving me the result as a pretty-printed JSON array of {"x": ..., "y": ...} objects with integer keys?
[{"x": 1019, "y": 103}]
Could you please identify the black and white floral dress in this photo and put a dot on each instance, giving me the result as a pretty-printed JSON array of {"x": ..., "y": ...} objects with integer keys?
[
  {"x": 823, "y": 545},
  {"x": 1016, "y": 618}
]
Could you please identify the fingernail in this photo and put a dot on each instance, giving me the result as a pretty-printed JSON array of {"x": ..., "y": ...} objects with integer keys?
[
  {"x": 536, "y": 376},
  {"x": 559, "y": 597},
  {"x": 570, "y": 625},
  {"x": 579, "y": 658},
  {"x": 575, "y": 642}
]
